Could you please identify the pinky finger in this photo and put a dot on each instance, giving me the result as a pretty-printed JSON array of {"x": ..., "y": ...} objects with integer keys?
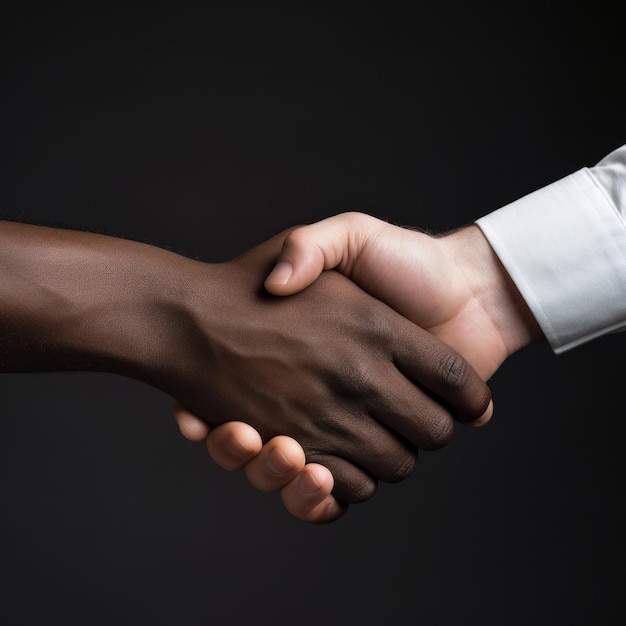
[{"x": 190, "y": 426}]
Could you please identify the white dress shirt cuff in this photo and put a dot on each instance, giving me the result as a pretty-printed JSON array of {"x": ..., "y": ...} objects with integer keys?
[{"x": 564, "y": 246}]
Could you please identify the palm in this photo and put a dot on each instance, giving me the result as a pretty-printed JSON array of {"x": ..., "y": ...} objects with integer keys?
[{"x": 412, "y": 273}]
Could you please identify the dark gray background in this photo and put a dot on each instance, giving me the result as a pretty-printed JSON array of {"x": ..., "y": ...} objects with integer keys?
[{"x": 208, "y": 127}]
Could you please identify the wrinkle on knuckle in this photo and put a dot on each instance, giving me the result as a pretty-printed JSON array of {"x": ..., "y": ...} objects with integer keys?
[
  {"x": 404, "y": 465},
  {"x": 391, "y": 461},
  {"x": 454, "y": 370}
]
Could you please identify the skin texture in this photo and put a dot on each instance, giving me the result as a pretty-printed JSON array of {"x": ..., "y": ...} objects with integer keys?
[
  {"x": 305, "y": 489},
  {"x": 452, "y": 285},
  {"x": 332, "y": 368}
]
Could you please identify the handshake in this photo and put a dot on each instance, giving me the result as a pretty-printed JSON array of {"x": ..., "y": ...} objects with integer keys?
[
  {"x": 384, "y": 341},
  {"x": 324, "y": 359},
  {"x": 359, "y": 373}
]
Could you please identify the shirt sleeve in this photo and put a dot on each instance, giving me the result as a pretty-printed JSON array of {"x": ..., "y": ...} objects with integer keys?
[{"x": 564, "y": 246}]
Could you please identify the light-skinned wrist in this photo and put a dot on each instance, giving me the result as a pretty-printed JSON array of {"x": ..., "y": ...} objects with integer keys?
[{"x": 494, "y": 289}]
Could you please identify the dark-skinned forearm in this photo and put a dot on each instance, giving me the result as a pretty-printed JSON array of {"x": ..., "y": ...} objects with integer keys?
[{"x": 71, "y": 300}]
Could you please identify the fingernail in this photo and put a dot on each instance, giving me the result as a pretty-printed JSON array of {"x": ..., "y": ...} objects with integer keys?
[
  {"x": 278, "y": 462},
  {"x": 281, "y": 273},
  {"x": 308, "y": 484}
]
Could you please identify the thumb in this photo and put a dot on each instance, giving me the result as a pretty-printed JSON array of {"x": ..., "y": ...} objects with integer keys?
[{"x": 306, "y": 252}]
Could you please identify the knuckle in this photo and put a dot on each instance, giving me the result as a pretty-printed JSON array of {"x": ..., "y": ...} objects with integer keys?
[
  {"x": 454, "y": 370},
  {"x": 287, "y": 232},
  {"x": 360, "y": 378},
  {"x": 354, "y": 218},
  {"x": 296, "y": 236},
  {"x": 364, "y": 489},
  {"x": 391, "y": 460},
  {"x": 404, "y": 465},
  {"x": 374, "y": 324}
]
